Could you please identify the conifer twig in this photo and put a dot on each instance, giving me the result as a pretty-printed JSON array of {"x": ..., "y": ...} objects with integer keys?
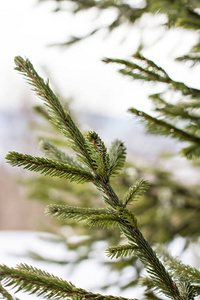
[
  {"x": 117, "y": 154},
  {"x": 150, "y": 71},
  {"x": 94, "y": 154},
  {"x": 58, "y": 115},
  {"x": 121, "y": 251},
  {"x": 135, "y": 191},
  {"x": 179, "y": 110},
  {"x": 48, "y": 167},
  {"x": 99, "y": 154},
  {"x": 78, "y": 213},
  {"x": 178, "y": 268},
  {"x": 170, "y": 129},
  {"x": 33, "y": 280}
]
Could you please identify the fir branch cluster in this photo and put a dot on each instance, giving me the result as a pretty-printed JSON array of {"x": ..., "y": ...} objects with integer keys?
[
  {"x": 92, "y": 157},
  {"x": 95, "y": 164},
  {"x": 180, "y": 120},
  {"x": 186, "y": 277}
]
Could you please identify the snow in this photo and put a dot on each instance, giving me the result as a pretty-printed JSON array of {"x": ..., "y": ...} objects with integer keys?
[{"x": 89, "y": 274}]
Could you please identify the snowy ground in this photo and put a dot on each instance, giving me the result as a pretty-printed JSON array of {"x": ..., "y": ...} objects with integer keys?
[{"x": 88, "y": 274}]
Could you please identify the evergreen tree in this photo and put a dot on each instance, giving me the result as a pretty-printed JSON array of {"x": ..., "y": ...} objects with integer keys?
[
  {"x": 94, "y": 164},
  {"x": 164, "y": 211},
  {"x": 97, "y": 165},
  {"x": 55, "y": 190},
  {"x": 176, "y": 118}
]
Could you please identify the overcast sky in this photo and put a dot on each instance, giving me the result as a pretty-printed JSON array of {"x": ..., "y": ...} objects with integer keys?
[{"x": 27, "y": 28}]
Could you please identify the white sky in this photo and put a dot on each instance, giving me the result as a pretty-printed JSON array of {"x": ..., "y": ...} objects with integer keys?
[{"x": 27, "y": 29}]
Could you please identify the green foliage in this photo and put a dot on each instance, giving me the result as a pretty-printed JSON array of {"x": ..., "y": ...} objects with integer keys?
[
  {"x": 39, "y": 282},
  {"x": 90, "y": 151},
  {"x": 58, "y": 115},
  {"x": 36, "y": 281},
  {"x": 186, "y": 277},
  {"x": 104, "y": 221},
  {"x": 165, "y": 128},
  {"x": 49, "y": 167},
  {"x": 179, "y": 120},
  {"x": 117, "y": 155},
  {"x": 178, "y": 269},
  {"x": 165, "y": 211},
  {"x": 96, "y": 164},
  {"x": 121, "y": 251},
  {"x": 142, "y": 68},
  {"x": 77, "y": 213},
  {"x": 178, "y": 14},
  {"x": 99, "y": 154},
  {"x": 135, "y": 191}
]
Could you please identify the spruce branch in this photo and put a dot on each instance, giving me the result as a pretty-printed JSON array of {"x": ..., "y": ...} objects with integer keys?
[
  {"x": 98, "y": 153},
  {"x": 186, "y": 290},
  {"x": 128, "y": 224},
  {"x": 124, "y": 13},
  {"x": 164, "y": 127},
  {"x": 58, "y": 115},
  {"x": 179, "y": 111},
  {"x": 146, "y": 70},
  {"x": 94, "y": 154},
  {"x": 121, "y": 251},
  {"x": 135, "y": 191},
  {"x": 179, "y": 269},
  {"x": 117, "y": 154},
  {"x": 104, "y": 221},
  {"x": 107, "y": 191},
  {"x": 128, "y": 217},
  {"x": 177, "y": 13},
  {"x": 69, "y": 129},
  {"x": 158, "y": 274},
  {"x": 71, "y": 212},
  {"x": 48, "y": 167},
  {"x": 36, "y": 281},
  {"x": 147, "y": 282},
  {"x": 151, "y": 72}
]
